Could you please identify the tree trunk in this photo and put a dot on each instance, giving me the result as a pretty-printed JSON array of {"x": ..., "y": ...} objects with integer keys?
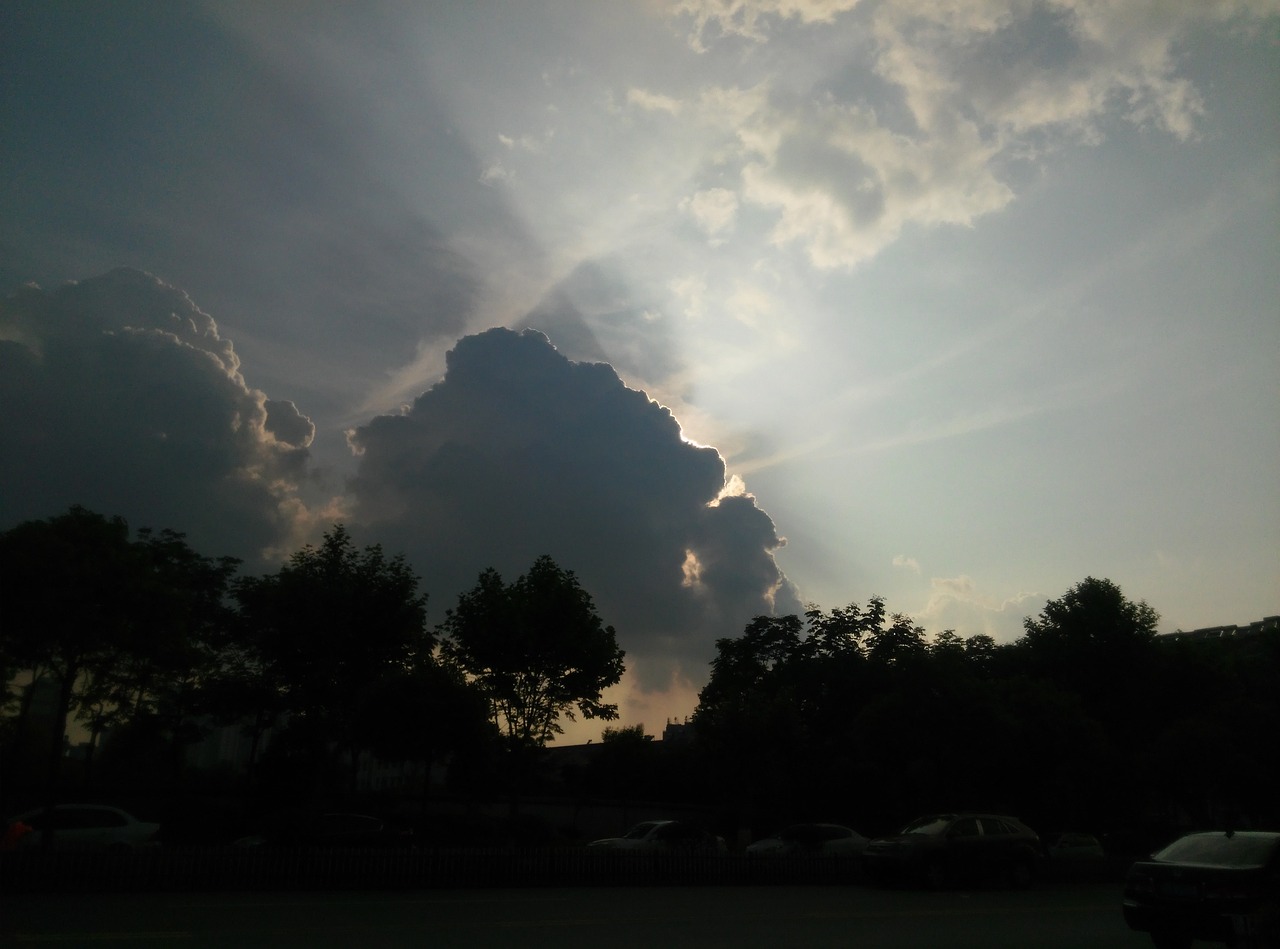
[{"x": 59, "y": 730}]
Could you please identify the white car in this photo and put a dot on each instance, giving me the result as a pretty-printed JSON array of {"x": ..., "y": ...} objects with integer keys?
[
  {"x": 810, "y": 838},
  {"x": 663, "y": 836},
  {"x": 84, "y": 827}
]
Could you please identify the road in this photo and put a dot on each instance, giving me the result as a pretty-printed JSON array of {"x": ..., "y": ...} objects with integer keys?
[{"x": 1060, "y": 917}]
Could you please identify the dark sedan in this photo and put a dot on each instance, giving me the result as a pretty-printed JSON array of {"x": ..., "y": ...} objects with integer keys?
[
  {"x": 945, "y": 849},
  {"x": 1221, "y": 887}
]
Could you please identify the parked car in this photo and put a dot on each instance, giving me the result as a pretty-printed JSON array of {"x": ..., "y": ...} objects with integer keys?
[
  {"x": 82, "y": 827},
  {"x": 330, "y": 831},
  {"x": 943, "y": 849},
  {"x": 1075, "y": 847},
  {"x": 1220, "y": 887},
  {"x": 810, "y": 838},
  {"x": 664, "y": 836}
]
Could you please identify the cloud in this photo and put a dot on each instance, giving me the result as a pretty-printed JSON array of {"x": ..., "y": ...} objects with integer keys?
[
  {"x": 597, "y": 314},
  {"x": 519, "y": 452},
  {"x": 909, "y": 563},
  {"x": 652, "y": 101},
  {"x": 956, "y": 603},
  {"x": 749, "y": 19},
  {"x": 921, "y": 110},
  {"x": 714, "y": 210},
  {"x": 118, "y": 393}
]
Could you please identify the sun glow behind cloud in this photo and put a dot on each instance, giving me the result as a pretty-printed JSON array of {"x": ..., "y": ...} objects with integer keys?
[{"x": 958, "y": 278}]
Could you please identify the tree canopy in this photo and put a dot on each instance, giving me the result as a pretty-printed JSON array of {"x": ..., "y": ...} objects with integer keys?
[
  {"x": 123, "y": 627},
  {"x": 537, "y": 648},
  {"x": 329, "y": 629}
]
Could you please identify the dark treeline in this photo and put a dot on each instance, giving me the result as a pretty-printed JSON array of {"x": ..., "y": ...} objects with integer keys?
[
  {"x": 1089, "y": 720},
  {"x": 148, "y": 645}
]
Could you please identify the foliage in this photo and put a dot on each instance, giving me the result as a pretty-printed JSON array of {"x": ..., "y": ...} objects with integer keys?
[
  {"x": 625, "y": 735},
  {"x": 854, "y": 714},
  {"x": 536, "y": 648},
  {"x": 1086, "y": 720},
  {"x": 324, "y": 635},
  {"x": 122, "y": 627}
]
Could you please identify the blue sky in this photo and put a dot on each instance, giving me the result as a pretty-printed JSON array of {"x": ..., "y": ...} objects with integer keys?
[{"x": 956, "y": 304}]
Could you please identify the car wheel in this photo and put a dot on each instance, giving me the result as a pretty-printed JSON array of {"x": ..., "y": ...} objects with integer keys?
[{"x": 1171, "y": 940}]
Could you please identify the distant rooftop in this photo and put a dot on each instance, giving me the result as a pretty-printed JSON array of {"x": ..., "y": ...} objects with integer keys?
[{"x": 1229, "y": 632}]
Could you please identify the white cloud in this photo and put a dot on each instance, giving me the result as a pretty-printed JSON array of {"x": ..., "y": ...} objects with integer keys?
[
  {"x": 653, "y": 101},
  {"x": 967, "y": 89},
  {"x": 956, "y": 603},
  {"x": 749, "y": 19},
  {"x": 909, "y": 563},
  {"x": 714, "y": 210}
]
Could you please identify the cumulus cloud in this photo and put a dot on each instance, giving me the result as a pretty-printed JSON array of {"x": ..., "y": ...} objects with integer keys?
[
  {"x": 927, "y": 106},
  {"x": 118, "y": 393},
  {"x": 519, "y": 452},
  {"x": 957, "y": 603}
]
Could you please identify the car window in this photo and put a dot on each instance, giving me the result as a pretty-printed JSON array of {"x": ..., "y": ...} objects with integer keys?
[
  {"x": 76, "y": 818},
  {"x": 101, "y": 817},
  {"x": 1219, "y": 850},
  {"x": 991, "y": 826},
  {"x": 964, "y": 827},
  {"x": 928, "y": 825},
  {"x": 640, "y": 831}
]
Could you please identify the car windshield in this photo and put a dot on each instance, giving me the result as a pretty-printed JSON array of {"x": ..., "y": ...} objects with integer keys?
[
  {"x": 641, "y": 830},
  {"x": 1220, "y": 850},
  {"x": 928, "y": 825}
]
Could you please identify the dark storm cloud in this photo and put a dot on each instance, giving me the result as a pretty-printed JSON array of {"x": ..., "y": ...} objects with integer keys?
[
  {"x": 519, "y": 452},
  {"x": 119, "y": 394}
]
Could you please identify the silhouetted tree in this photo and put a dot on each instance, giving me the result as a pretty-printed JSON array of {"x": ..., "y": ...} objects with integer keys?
[
  {"x": 1096, "y": 642},
  {"x": 120, "y": 625},
  {"x": 536, "y": 648},
  {"x": 900, "y": 641},
  {"x": 68, "y": 592},
  {"x": 327, "y": 631},
  {"x": 427, "y": 713}
]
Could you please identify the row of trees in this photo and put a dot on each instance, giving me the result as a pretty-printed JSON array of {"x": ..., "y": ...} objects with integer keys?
[
  {"x": 142, "y": 636},
  {"x": 1088, "y": 720}
]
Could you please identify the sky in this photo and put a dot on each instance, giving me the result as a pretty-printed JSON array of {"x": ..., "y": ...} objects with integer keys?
[{"x": 732, "y": 307}]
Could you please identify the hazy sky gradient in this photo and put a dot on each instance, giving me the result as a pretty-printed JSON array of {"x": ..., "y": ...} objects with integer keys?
[{"x": 953, "y": 303}]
